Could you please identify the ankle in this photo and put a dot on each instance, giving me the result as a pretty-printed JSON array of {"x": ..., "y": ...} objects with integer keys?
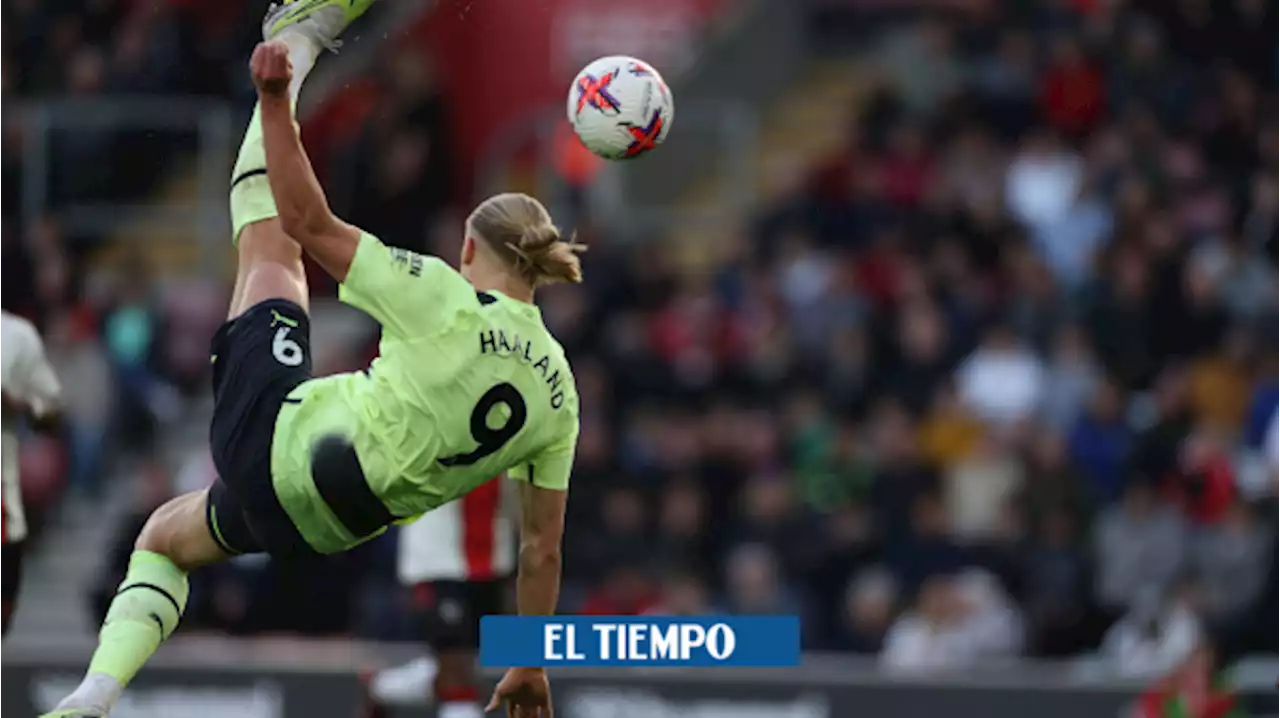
[
  {"x": 303, "y": 52},
  {"x": 97, "y": 692}
]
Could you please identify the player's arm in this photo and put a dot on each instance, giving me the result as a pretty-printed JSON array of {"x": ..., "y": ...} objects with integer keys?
[
  {"x": 37, "y": 394},
  {"x": 524, "y": 689},
  {"x": 304, "y": 212},
  {"x": 47, "y": 422},
  {"x": 544, "y": 493},
  {"x": 544, "y": 490},
  {"x": 541, "y": 531},
  {"x": 46, "y": 419}
]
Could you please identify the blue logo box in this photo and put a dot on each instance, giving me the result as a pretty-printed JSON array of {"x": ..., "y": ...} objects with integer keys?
[{"x": 759, "y": 641}]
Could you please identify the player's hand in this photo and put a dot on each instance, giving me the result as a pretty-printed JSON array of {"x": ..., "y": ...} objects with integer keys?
[
  {"x": 13, "y": 405},
  {"x": 526, "y": 693},
  {"x": 271, "y": 68}
]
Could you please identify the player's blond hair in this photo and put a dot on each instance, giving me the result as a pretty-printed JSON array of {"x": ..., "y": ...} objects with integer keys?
[{"x": 519, "y": 229}]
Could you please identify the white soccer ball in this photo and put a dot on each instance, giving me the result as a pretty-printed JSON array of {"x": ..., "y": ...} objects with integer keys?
[{"x": 620, "y": 107}]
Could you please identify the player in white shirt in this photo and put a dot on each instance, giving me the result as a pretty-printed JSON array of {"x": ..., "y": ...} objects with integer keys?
[
  {"x": 30, "y": 391},
  {"x": 456, "y": 561}
]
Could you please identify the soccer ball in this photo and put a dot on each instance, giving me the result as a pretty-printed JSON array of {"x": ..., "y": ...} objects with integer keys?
[{"x": 620, "y": 108}]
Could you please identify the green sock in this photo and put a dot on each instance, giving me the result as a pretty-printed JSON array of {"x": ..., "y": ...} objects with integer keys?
[
  {"x": 251, "y": 199},
  {"x": 251, "y": 195},
  {"x": 145, "y": 611}
]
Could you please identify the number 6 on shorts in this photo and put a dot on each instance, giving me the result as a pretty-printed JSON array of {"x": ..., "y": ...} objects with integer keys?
[{"x": 286, "y": 350}]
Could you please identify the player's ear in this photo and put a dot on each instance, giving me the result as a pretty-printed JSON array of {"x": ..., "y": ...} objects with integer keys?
[{"x": 468, "y": 250}]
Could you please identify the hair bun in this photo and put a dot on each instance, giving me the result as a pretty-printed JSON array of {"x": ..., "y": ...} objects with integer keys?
[
  {"x": 539, "y": 237},
  {"x": 520, "y": 227},
  {"x": 548, "y": 260}
]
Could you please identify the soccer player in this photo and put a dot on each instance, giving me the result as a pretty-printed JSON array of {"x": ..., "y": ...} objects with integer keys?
[
  {"x": 31, "y": 391},
  {"x": 469, "y": 384}
]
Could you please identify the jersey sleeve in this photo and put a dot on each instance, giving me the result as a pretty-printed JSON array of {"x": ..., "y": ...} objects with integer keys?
[
  {"x": 551, "y": 468},
  {"x": 33, "y": 379},
  {"x": 397, "y": 287}
]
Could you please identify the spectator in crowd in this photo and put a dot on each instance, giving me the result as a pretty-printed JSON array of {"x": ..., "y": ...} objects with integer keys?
[
  {"x": 901, "y": 480},
  {"x": 683, "y": 593},
  {"x": 1157, "y": 634},
  {"x": 1219, "y": 383},
  {"x": 1100, "y": 442},
  {"x": 622, "y": 589},
  {"x": 851, "y": 548},
  {"x": 18, "y": 275},
  {"x": 932, "y": 635},
  {"x": 1263, "y": 403},
  {"x": 1056, "y": 590},
  {"x": 624, "y": 515},
  {"x": 918, "y": 65},
  {"x": 870, "y": 602},
  {"x": 682, "y": 527},
  {"x": 1225, "y": 559},
  {"x": 1002, "y": 380},
  {"x": 1053, "y": 481},
  {"x": 1120, "y": 323},
  {"x": 1044, "y": 182},
  {"x": 1170, "y": 422},
  {"x": 949, "y": 433},
  {"x": 1203, "y": 481},
  {"x": 923, "y": 356},
  {"x": 1071, "y": 377},
  {"x": 129, "y": 331},
  {"x": 993, "y": 625},
  {"x": 979, "y": 488},
  {"x": 82, "y": 365},
  {"x": 1138, "y": 547},
  {"x": 768, "y": 517},
  {"x": 755, "y": 583},
  {"x": 929, "y": 549}
]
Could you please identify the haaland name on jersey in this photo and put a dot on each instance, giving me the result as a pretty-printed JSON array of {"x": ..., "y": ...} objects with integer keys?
[
  {"x": 495, "y": 341},
  {"x": 760, "y": 641}
]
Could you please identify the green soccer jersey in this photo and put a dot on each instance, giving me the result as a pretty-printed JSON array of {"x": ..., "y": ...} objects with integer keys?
[{"x": 467, "y": 385}]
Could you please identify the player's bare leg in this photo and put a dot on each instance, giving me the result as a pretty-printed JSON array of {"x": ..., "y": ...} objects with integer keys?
[
  {"x": 148, "y": 604},
  {"x": 177, "y": 539},
  {"x": 457, "y": 688},
  {"x": 270, "y": 262},
  {"x": 270, "y": 266}
]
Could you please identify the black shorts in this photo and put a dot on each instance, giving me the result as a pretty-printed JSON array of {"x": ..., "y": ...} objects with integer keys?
[
  {"x": 448, "y": 612},
  {"x": 12, "y": 570},
  {"x": 258, "y": 358}
]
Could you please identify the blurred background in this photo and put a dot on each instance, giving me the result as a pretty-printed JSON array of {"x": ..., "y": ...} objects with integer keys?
[{"x": 947, "y": 325}]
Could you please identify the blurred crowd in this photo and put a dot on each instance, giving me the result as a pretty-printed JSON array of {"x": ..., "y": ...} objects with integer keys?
[
  {"x": 998, "y": 379},
  {"x": 126, "y": 344},
  {"x": 86, "y": 50},
  {"x": 1034, "y": 309}
]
